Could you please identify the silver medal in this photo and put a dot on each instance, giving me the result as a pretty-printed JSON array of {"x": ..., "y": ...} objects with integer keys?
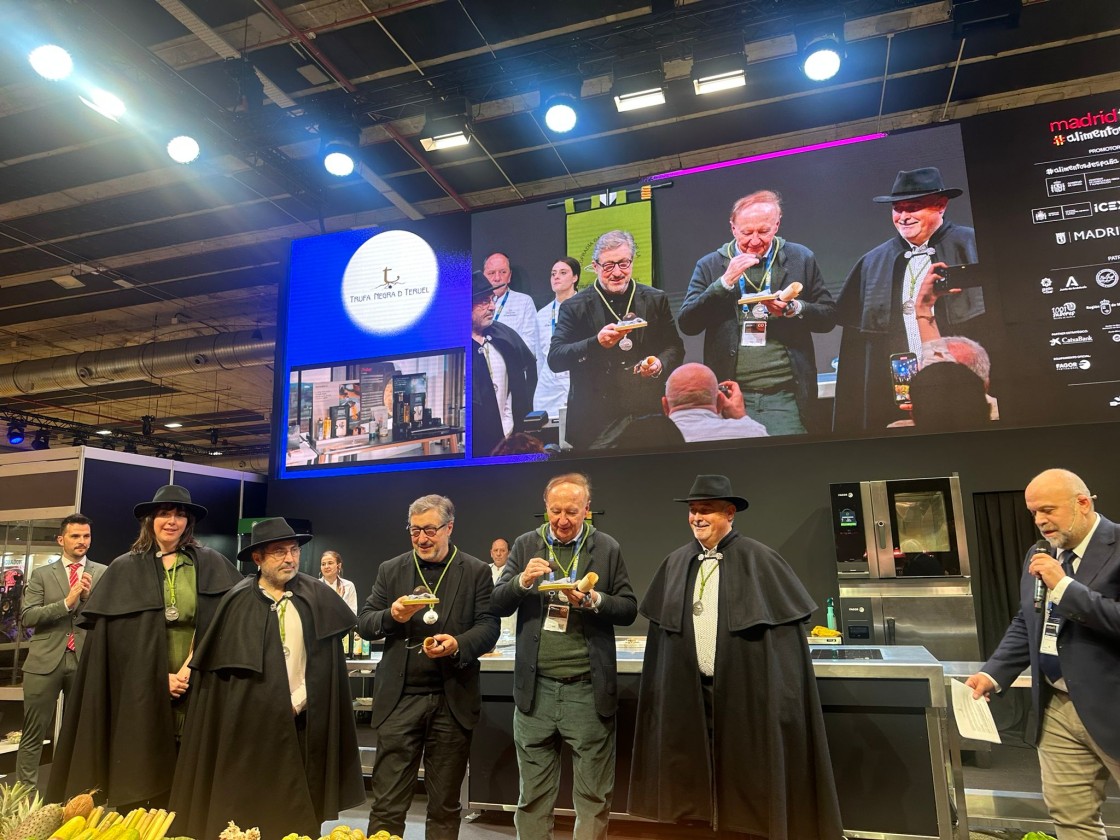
[
  {"x": 760, "y": 311},
  {"x": 287, "y": 652},
  {"x": 908, "y": 307},
  {"x": 431, "y": 617},
  {"x": 171, "y": 614},
  {"x": 626, "y": 344},
  {"x": 697, "y": 607}
]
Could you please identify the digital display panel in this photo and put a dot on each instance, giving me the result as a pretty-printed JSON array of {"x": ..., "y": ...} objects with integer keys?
[{"x": 386, "y": 364}]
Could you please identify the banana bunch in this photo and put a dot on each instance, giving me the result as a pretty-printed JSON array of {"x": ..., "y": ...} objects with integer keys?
[{"x": 140, "y": 824}]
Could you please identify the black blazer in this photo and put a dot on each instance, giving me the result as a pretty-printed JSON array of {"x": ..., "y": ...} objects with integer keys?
[
  {"x": 603, "y": 388},
  {"x": 601, "y": 555},
  {"x": 1088, "y": 644},
  {"x": 464, "y": 612}
]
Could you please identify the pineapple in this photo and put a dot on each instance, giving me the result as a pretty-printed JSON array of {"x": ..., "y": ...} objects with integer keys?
[{"x": 17, "y": 800}]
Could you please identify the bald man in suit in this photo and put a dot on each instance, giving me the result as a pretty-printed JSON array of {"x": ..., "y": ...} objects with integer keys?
[
  {"x": 1068, "y": 631},
  {"x": 51, "y": 607}
]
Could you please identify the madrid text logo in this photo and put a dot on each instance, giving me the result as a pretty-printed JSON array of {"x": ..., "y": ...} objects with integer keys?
[
  {"x": 1066, "y": 310},
  {"x": 1107, "y": 278},
  {"x": 390, "y": 282},
  {"x": 1060, "y": 238},
  {"x": 1047, "y": 286},
  {"x": 1094, "y": 233}
]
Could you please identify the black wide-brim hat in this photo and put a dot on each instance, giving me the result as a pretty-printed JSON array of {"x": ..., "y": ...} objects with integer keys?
[
  {"x": 917, "y": 183},
  {"x": 171, "y": 495},
  {"x": 714, "y": 488},
  {"x": 268, "y": 531},
  {"x": 480, "y": 287}
]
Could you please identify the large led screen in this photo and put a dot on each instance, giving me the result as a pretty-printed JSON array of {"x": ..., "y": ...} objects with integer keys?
[{"x": 950, "y": 277}]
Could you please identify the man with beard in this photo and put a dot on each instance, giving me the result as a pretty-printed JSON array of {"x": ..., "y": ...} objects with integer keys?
[
  {"x": 615, "y": 366},
  {"x": 426, "y": 698},
  {"x": 504, "y": 374},
  {"x": 270, "y": 738},
  {"x": 1067, "y": 630},
  {"x": 767, "y": 348},
  {"x": 890, "y": 303},
  {"x": 729, "y": 727}
]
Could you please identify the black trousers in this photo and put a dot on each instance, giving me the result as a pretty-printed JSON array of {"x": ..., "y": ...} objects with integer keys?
[{"x": 420, "y": 727}]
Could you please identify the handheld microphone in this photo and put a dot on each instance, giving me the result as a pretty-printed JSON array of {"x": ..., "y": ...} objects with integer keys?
[{"x": 1041, "y": 547}]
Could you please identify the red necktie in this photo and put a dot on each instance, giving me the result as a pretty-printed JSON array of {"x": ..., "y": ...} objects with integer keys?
[{"x": 73, "y": 581}]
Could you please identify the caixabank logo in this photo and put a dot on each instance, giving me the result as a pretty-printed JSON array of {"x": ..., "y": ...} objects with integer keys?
[{"x": 1092, "y": 125}]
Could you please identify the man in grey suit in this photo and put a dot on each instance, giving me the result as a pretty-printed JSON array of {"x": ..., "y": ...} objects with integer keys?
[
  {"x": 1068, "y": 631},
  {"x": 565, "y": 674},
  {"x": 52, "y": 605}
]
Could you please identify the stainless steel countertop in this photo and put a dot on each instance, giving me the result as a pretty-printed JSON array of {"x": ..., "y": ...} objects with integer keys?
[{"x": 904, "y": 662}]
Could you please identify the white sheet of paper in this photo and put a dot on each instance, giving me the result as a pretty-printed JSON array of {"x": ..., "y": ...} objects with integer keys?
[{"x": 974, "y": 718}]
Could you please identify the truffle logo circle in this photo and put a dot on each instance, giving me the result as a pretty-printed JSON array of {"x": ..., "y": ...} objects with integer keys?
[{"x": 390, "y": 282}]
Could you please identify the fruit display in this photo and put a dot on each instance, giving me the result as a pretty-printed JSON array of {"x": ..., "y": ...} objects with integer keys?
[{"x": 17, "y": 800}]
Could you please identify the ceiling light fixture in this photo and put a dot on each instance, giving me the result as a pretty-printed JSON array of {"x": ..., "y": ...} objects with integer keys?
[
  {"x": 51, "y": 62},
  {"x": 447, "y": 125},
  {"x": 16, "y": 432},
  {"x": 107, "y": 104},
  {"x": 130, "y": 448},
  {"x": 146, "y": 425},
  {"x": 639, "y": 82},
  {"x": 560, "y": 113},
  {"x": 213, "y": 437},
  {"x": 174, "y": 424},
  {"x": 719, "y": 64},
  {"x": 183, "y": 149},
  {"x": 42, "y": 440},
  {"x": 820, "y": 43}
]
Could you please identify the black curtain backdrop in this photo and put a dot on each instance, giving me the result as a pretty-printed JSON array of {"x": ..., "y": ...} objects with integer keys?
[{"x": 1004, "y": 533}]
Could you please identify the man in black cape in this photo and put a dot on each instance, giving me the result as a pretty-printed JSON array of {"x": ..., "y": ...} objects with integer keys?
[
  {"x": 729, "y": 731},
  {"x": 270, "y": 739},
  {"x": 879, "y": 306},
  {"x": 504, "y": 374}
]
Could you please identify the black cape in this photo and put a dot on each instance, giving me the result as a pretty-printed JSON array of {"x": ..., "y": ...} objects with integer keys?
[
  {"x": 869, "y": 309},
  {"x": 772, "y": 772},
  {"x": 118, "y": 731},
  {"x": 241, "y": 757},
  {"x": 521, "y": 373}
]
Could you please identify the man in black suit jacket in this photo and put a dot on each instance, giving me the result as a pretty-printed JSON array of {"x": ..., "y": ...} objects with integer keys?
[
  {"x": 616, "y": 371},
  {"x": 51, "y": 606},
  {"x": 426, "y": 696},
  {"x": 565, "y": 674},
  {"x": 1069, "y": 633}
]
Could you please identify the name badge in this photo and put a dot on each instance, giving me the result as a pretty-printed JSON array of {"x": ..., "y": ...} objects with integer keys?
[
  {"x": 1050, "y": 635},
  {"x": 556, "y": 619},
  {"x": 754, "y": 334}
]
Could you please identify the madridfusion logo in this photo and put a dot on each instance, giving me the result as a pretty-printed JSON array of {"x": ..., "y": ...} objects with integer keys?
[
  {"x": 390, "y": 282},
  {"x": 1092, "y": 125}
]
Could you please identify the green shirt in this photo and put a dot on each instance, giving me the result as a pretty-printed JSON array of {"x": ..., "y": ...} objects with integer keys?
[
  {"x": 563, "y": 654},
  {"x": 763, "y": 368},
  {"x": 180, "y": 633}
]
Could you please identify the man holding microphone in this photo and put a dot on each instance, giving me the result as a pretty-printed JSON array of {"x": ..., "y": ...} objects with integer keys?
[{"x": 1068, "y": 631}]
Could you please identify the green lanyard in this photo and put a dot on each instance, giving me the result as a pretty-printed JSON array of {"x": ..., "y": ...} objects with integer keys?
[
  {"x": 629, "y": 303},
  {"x": 546, "y": 535},
  {"x": 446, "y": 566},
  {"x": 714, "y": 555},
  {"x": 170, "y": 574}
]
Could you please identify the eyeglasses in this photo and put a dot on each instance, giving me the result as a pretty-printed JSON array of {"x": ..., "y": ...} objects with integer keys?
[
  {"x": 278, "y": 551},
  {"x": 428, "y": 530},
  {"x": 609, "y": 267}
]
